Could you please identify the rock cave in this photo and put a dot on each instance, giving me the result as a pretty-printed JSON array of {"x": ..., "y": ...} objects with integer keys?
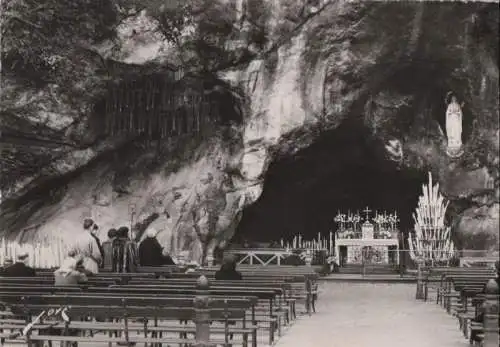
[
  {"x": 315, "y": 108},
  {"x": 344, "y": 169}
]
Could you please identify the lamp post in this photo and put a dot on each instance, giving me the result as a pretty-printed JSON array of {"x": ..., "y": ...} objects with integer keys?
[
  {"x": 202, "y": 313},
  {"x": 131, "y": 211},
  {"x": 419, "y": 295}
]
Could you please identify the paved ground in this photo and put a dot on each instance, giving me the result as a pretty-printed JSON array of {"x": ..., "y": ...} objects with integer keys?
[{"x": 372, "y": 315}]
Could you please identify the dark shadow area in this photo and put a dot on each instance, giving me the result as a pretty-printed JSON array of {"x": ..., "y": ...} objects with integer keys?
[{"x": 345, "y": 169}]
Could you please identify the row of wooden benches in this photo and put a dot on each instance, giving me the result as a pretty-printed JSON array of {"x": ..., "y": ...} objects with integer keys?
[
  {"x": 302, "y": 279},
  {"x": 462, "y": 292},
  {"x": 149, "y": 306},
  {"x": 158, "y": 303}
]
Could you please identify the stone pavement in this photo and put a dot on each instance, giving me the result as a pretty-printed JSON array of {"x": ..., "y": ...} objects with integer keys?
[{"x": 372, "y": 315}]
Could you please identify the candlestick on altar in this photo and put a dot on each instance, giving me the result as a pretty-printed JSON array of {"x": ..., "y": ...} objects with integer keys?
[
  {"x": 331, "y": 242},
  {"x": 132, "y": 214}
]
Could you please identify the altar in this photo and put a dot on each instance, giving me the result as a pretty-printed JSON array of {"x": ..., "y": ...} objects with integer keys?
[{"x": 374, "y": 242}]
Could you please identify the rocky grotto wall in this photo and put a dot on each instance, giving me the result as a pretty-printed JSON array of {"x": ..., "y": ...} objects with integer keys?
[{"x": 295, "y": 73}]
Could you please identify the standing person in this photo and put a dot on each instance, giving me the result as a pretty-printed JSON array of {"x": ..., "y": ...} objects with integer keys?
[
  {"x": 124, "y": 252},
  {"x": 151, "y": 252},
  {"x": 107, "y": 250},
  {"x": 89, "y": 246},
  {"x": 19, "y": 269},
  {"x": 227, "y": 271}
]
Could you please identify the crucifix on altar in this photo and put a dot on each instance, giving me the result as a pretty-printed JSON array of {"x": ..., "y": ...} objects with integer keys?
[
  {"x": 367, "y": 228},
  {"x": 367, "y": 211}
]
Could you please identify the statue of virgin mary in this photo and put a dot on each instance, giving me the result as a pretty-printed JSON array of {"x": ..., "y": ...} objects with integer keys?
[{"x": 453, "y": 125}]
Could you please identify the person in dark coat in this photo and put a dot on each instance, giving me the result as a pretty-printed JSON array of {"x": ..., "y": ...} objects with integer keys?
[
  {"x": 107, "y": 248},
  {"x": 19, "y": 269},
  {"x": 151, "y": 252},
  {"x": 227, "y": 271},
  {"x": 124, "y": 252}
]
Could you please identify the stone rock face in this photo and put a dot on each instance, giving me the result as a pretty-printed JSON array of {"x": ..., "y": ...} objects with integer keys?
[
  {"x": 478, "y": 228},
  {"x": 326, "y": 64}
]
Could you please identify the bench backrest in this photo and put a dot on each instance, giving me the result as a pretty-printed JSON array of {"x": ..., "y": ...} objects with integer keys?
[
  {"x": 39, "y": 288},
  {"x": 215, "y": 283},
  {"x": 172, "y": 313},
  {"x": 259, "y": 293},
  {"x": 122, "y": 300},
  {"x": 104, "y": 281},
  {"x": 213, "y": 287}
]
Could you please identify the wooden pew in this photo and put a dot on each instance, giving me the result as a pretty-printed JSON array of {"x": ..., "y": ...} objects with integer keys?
[
  {"x": 49, "y": 281},
  {"x": 434, "y": 276},
  {"x": 273, "y": 285},
  {"x": 453, "y": 280},
  {"x": 262, "y": 293},
  {"x": 268, "y": 294},
  {"x": 478, "y": 295},
  {"x": 304, "y": 276},
  {"x": 284, "y": 303},
  {"x": 42, "y": 300},
  {"x": 441, "y": 273},
  {"x": 21, "y": 302},
  {"x": 128, "y": 312},
  {"x": 467, "y": 285}
]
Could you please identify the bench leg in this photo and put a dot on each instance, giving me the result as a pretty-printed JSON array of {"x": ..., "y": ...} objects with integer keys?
[
  {"x": 110, "y": 333},
  {"x": 308, "y": 304},
  {"x": 271, "y": 332},
  {"x": 465, "y": 328},
  {"x": 145, "y": 331},
  {"x": 278, "y": 322}
]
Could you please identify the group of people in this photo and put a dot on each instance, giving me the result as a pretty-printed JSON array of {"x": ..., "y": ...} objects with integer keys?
[{"x": 119, "y": 253}]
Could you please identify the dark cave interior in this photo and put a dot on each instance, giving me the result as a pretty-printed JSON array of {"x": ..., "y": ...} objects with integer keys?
[{"x": 345, "y": 169}]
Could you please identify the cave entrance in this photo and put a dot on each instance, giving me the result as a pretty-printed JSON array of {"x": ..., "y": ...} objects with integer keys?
[{"x": 345, "y": 169}]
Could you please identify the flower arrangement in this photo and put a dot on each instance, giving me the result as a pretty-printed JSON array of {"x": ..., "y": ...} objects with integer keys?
[
  {"x": 386, "y": 221},
  {"x": 384, "y": 234},
  {"x": 346, "y": 234},
  {"x": 349, "y": 221}
]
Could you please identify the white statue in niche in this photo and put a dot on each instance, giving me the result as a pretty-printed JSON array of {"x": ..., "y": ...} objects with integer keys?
[{"x": 453, "y": 125}]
